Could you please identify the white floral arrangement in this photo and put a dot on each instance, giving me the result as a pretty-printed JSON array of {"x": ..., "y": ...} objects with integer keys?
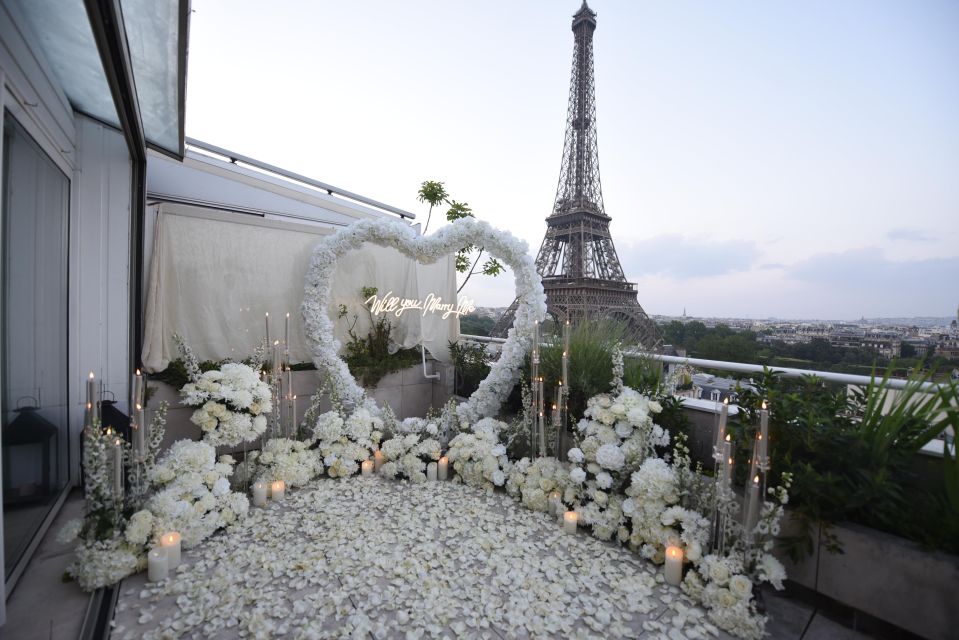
[
  {"x": 658, "y": 519},
  {"x": 344, "y": 442},
  {"x": 618, "y": 433},
  {"x": 106, "y": 562},
  {"x": 479, "y": 457},
  {"x": 532, "y": 481},
  {"x": 193, "y": 493},
  {"x": 724, "y": 584},
  {"x": 504, "y": 373},
  {"x": 291, "y": 461},
  {"x": 406, "y": 456},
  {"x": 232, "y": 402}
]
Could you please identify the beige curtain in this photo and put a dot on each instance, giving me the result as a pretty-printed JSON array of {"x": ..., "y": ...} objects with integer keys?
[{"x": 214, "y": 276}]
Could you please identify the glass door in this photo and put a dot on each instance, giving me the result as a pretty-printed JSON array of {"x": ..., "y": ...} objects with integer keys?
[{"x": 33, "y": 344}]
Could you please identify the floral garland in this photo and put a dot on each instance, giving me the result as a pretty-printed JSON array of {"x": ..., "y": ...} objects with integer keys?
[
  {"x": 479, "y": 457},
  {"x": 345, "y": 442},
  {"x": 291, "y": 461},
  {"x": 503, "y": 373}
]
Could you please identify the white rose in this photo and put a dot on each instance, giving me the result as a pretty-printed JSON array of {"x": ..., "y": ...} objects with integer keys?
[
  {"x": 741, "y": 587},
  {"x": 577, "y": 475},
  {"x": 575, "y": 455}
]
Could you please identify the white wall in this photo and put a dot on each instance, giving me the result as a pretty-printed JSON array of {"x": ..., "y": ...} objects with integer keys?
[{"x": 99, "y": 268}]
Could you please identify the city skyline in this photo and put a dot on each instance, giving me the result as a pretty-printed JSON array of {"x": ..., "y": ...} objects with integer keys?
[{"x": 757, "y": 160}]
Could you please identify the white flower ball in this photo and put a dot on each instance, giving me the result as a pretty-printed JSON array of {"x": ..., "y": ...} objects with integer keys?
[
  {"x": 575, "y": 455},
  {"x": 611, "y": 457},
  {"x": 577, "y": 475}
]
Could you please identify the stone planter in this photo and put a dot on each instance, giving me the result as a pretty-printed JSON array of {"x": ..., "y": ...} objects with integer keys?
[{"x": 885, "y": 576}]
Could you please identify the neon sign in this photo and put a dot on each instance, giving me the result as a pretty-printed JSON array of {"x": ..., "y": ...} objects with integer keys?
[{"x": 432, "y": 303}]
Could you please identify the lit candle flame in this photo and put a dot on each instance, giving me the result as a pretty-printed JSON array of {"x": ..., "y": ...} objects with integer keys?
[
  {"x": 726, "y": 400},
  {"x": 756, "y": 479},
  {"x": 727, "y": 438},
  {"x": 764, "y": 405},
  {"x": 138, "y": 372},
  {"x": 91, "y": 375}
]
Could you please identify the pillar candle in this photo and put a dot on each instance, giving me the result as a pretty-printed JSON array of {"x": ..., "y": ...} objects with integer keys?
[
  {"x": 278, "y": 490},
  {"x": 442, "y": 469},
  {"x": 157, "y": 568},
  {"x": 431, "y": 472},
  {"x": 366, "y": 467},
  {"x": 88, "y": 416},
  {"x": 555, "y": 500},
  {"x": 259, "y": 494},
  {"x": 118, "y": 470},
  {"x": 570, "y": 518},
  {"x": 555, "y": 415},
  {"x": 377, "y": 460},
  {"x": 268, "y": 327},
  {"x": 674, "y": 566},
  {"x": 170, "y": 542}
]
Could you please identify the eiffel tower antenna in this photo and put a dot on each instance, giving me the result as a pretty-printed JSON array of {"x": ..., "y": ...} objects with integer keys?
[{"x": 581, "y": 272}]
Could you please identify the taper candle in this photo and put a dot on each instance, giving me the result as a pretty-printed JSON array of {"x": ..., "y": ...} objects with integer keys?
[
  {"x": 752, "y": 509},
  {"x": 674, "y": 566},
  {"x": 721, "y": 431},
  {"x": 118, "y": 470},
  {"x": 763, "y": 434},
  {"x": 267, "y": 327},
  {"x": 92, "y": 398},
  {"x": 286, "y": 333},
  {"x": 277, "y": 369},
  {"x": 139, "y": 433},
  {"x": 170, "y": 541},
  {"x": 138, "y": 389}
]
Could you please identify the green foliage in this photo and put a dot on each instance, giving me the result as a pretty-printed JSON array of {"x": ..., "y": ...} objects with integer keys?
[
  {"x": 176, "y": 374},
  {"x": 375, "y": 355},
  {"x": 472, "y": 363},
  {"x": 434, "y": 193},
  {"x": 475, "y": 325},
  {"x": 852, "y": 455}
]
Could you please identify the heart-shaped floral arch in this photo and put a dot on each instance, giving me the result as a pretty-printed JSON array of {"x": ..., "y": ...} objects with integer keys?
[{"x": 494, "y": 389}]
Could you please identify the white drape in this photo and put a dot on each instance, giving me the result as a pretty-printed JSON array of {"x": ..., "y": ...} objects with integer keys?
[{"x": 214, "y": 276}]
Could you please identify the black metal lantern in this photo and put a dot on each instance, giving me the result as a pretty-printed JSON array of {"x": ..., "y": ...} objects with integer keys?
[{"x": 28, "y": 433}]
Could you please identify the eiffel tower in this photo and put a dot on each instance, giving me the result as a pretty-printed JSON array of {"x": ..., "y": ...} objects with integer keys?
[{"x": 577, "y": 260}]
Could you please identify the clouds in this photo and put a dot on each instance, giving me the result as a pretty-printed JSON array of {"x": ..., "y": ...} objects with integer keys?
[
  {"x": 680, "y": 257},
  {"x": 905, "y": 234}
]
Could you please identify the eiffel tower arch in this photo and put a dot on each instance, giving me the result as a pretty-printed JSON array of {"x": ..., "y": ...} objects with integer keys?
[{"x": 581, "y": 272}]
